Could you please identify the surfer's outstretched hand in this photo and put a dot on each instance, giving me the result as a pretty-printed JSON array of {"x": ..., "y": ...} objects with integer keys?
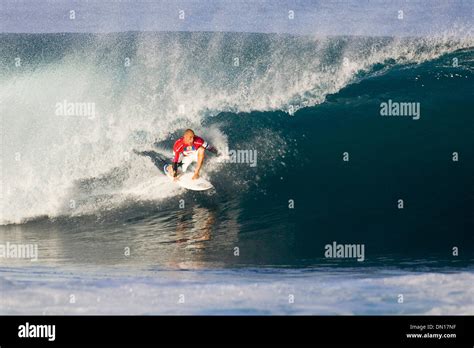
[{"x": 213, "y": 150}]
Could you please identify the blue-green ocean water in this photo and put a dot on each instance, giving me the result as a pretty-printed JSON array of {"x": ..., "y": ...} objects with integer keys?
[{"x": 73, "y": 185}]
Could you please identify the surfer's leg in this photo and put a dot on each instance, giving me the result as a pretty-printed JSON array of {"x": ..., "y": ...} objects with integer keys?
[{"x": 200, "y": 158}]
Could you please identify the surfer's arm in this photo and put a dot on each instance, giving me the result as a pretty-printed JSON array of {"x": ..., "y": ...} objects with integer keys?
[
  {"x": 208, "y": 147},
  {"x": 177, "y": 149},
  {"x": 175, "y": 169},
  {"x": 174, "y": 164}
]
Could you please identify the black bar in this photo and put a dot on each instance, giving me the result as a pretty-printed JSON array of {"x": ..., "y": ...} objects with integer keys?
[{"x": 288, "y": 330}]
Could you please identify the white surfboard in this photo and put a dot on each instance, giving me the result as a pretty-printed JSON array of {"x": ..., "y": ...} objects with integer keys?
[{"x": 186, "y": 181}]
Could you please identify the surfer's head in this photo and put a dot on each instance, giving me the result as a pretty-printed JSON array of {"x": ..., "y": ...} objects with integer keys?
[{"x": 188, "y": 136}]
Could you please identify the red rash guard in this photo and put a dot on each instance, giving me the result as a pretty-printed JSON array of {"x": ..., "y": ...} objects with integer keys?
[{"x": 180, "y": 148}]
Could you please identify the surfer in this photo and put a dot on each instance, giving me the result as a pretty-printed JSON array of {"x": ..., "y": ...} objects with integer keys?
[{"x": 189, "y": 149}]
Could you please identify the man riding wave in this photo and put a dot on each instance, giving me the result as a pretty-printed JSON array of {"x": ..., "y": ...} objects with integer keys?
[{"x": 189, "y": 149}]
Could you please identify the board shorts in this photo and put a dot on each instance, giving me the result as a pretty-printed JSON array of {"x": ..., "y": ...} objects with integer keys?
[{"x": 187, "y": 160}]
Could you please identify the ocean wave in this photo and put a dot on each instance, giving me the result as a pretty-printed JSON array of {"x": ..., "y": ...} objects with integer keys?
[{"x": 56, "y": 165}]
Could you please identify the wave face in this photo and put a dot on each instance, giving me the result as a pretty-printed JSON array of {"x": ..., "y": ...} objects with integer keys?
[{"x": 144, "y": 88}]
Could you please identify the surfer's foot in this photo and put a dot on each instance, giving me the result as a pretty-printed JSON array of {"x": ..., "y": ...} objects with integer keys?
[{"x": 196, "y": 176}]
